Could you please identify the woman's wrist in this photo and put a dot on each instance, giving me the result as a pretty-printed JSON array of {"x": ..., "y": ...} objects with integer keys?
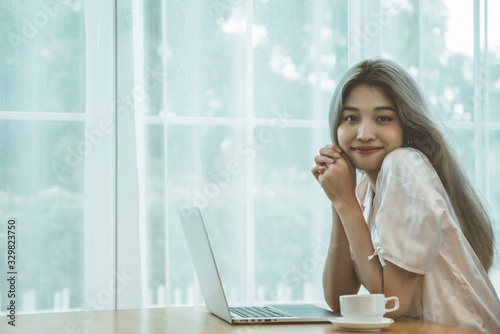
[{"x": 345, "y": 203}]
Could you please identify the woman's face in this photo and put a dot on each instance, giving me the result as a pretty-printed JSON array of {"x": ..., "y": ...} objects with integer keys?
[{"x": 369, "y": 129}]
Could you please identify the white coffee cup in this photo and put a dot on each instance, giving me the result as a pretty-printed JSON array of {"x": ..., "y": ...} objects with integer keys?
[{"x": 365, "y": 308}]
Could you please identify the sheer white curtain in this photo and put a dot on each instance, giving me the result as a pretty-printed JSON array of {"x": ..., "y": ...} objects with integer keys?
[
  {"x": 99, "y": 179},
  {"x": 131, "y": 258}
]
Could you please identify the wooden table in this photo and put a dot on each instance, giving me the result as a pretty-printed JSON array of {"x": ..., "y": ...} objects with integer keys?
[{"x": 182, "y": 320}]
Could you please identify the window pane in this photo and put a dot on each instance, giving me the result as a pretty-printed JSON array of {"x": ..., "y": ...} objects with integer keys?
[
  {"x": 205, "y": 166},
  {"x": 202, "y": 54},
  {"x": 494, "y": 181},
  {"x": 41, "y": 188},
  {"x": 43, "y": 57},
  {"x": 428, "y": 38},
  {"x": 463, "y": 143},
  {"x": 300, "y": 49},
  {"x": 493, "y": 82},
  {"x": 398, "y": 21},
  {"x": 292, "y": 221}
]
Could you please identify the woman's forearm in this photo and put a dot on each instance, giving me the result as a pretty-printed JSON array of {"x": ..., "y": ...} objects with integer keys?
[
  {"x": 339, "y": 276},
  {"x": 369, "y": 271}
]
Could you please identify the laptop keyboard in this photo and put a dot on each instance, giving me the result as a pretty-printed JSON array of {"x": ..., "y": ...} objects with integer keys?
[{"x": 259, "y": 312}]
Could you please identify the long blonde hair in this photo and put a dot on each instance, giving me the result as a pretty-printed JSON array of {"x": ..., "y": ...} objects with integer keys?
[{"x": 422, "y": 132}]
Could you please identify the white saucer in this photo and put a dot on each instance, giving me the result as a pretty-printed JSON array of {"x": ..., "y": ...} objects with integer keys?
[{"x": 361, "y": 326}]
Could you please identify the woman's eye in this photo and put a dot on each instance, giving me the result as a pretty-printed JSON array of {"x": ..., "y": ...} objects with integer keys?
[
  {"x": 350, "y": 118},
  {"x": 384, "y": 119}
]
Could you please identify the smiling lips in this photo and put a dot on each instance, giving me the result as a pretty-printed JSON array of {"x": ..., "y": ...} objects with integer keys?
[{"x": 366, "y": 149}]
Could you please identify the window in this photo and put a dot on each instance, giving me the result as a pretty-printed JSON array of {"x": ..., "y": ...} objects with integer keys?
[
  {"x": 42, "y": 113},
  {"x": 57, "y": 154},
  {"x": 112, "y": 116}
]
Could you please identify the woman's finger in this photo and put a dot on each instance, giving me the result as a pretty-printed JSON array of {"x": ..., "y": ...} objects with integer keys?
[
  {"x": 320, "y": 169},
  {"x": 317, "y": 171},
  {"x": 322, "y": 160},
  {"x": 328, "y": 152},
  {"x": 334, "y": 147}
]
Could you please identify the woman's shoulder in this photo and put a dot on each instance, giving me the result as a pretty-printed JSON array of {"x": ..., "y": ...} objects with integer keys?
[
  {"x": 405, "y": 153},
  {"x": 408, "y": 162},
  {"x": 406, "y": 157}
]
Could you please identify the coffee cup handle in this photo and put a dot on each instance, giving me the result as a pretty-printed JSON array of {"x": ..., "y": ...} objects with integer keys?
[{"x": 396, "y": 300}]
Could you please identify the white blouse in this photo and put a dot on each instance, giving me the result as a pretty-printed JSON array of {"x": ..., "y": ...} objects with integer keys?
[{"x": 413, "y": 226}]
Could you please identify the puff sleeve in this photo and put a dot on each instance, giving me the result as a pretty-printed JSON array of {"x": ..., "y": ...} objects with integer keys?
[{"x": 410, "y": 206}]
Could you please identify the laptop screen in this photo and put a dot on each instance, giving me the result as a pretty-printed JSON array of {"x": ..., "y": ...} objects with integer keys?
[{"x": 204, "y": 262}]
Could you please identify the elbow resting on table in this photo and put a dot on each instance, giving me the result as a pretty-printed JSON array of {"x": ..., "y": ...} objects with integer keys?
[
  {"x": 332, "y": 303},
  {"x": 396, "y": 314}
]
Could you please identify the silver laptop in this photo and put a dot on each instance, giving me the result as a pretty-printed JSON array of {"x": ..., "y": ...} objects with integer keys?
[{"x": 213, "y": 292}]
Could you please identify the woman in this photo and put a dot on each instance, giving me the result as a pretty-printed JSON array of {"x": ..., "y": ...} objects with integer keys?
[{"x": 410, "y": 205}]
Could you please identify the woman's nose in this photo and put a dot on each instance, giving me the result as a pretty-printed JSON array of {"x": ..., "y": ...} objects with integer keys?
[{"x": 365, "y": 132}]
